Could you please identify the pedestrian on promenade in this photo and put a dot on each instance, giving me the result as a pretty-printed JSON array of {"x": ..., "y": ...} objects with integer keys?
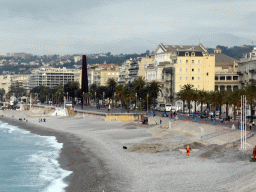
[
  {"x": 156, "y": 122},
  {"x": 238, "y": 124},
  {"x": 253, "y": 124},
  {"x": 160, "y": 121},
  {"x": 250, "y": 125},
  {"x": 171, "y": 115},
  {"x": 221, "y": 120}
]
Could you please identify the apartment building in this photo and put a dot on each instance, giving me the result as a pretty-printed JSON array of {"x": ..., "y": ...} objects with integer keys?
[
  {"x": 188, "y": 64},
  {"x": 226, "y": 77},
  {"x": 5, "y": 82},
  {"x": 21, "y": 81},
  {"x": 100, "y": 73},
  {"x": 51, "y": 77},
  {"x": 247, "y": 69}
]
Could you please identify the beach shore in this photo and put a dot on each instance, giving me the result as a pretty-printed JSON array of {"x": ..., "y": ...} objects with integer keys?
[{"x": 93, "y": 150}]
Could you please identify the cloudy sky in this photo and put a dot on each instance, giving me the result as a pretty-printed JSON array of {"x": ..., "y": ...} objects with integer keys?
[{"x": 68, "y": 27}]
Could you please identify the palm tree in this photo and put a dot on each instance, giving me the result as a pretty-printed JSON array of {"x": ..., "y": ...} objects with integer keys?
[
  {"x": 201, "y": 98},
  {"x": 250, "y": 92},
  {"x": 111, "y": 87},
  {"x": 154, "y": 89},
  {"x": 138, "y": 85},
  {"x": 187, "y": 93},
  {"x": 87, "y": 96}
]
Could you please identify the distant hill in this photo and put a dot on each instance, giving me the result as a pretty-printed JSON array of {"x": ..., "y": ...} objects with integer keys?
[{"x": 234, "y": 52}]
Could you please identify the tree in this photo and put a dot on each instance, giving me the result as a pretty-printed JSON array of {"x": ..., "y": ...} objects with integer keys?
[
  {"x": 58, "y": 92},
  {"x": 250, "y": 92},
  {"x": 71, "y": 88},
  {"x": 2, "y": 92},
  {"x": 42, "y": 92},
  {"x": 111, "y": 87},
  {"x": 187, "y": 93},
  {"x": 154, "y": 89}
]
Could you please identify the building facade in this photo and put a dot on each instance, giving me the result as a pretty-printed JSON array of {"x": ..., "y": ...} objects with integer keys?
[
  {"x": 226, "y": 77},
  {"x": 51, "y": 77}
]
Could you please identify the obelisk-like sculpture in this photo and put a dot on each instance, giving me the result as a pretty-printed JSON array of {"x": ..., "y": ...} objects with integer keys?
[{"x": 84, "y": 87}]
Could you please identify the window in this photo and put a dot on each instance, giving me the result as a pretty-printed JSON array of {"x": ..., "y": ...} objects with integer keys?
[
  {"x": 180, "y": 61},
  {"x": 198, "y": 61},
  {"x": 216, "y": 88},
  {"x": 235, "y": 87},
  {"x": 186, "y": 78},
  {"x": 199, "y": 70},
  {"x": 222, "y": 78},
  {"x": 180, "y": 78},
  {"x": 228, "y": 87},
  {"x": 117, "y": 74},
  {"x": 113, "y": 73},
  {"x": 198, "y": 86},
  {"x": 222, "y": 87},
  {"x": 229, "y": 78},
  {"x": 198, "y": 78},
  {"x": 192, "y": 78},
  {"x": 180, "y": 69},
  {"x": 187, "y": 54},
  {"x": 235, "y": 77},
  {"x": 186, "y": 69},
  {"x": 216, "y": 78},
  {"x": 193, "y": 54},
  {"x": 192, "y": 70},
  {"x": 186, "y": 61},
  {"x": 207, "y": 74},
  {"x": 180, "y": 86},
  {"x": 193, "y": 61},
  {"x": 104, "y": 74},
  {"x": 108, "y": 73}
]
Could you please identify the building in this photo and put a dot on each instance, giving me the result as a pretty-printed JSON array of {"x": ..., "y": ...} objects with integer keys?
[
  {"x": 226, "y": 67},
  {"x": 51, "y": 77},
  {"x": 100, "y": 73},
  {"x": 246, "y": 72},
  {"x": 21, "y": 81},
  {"x": 191, "y": 64},
  {"x": 5, "y": 82}
]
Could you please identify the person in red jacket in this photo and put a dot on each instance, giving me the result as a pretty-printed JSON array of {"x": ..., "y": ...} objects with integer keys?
[
  {"x": 188, "y": 150},
  {"x": 254, "y": 152}
]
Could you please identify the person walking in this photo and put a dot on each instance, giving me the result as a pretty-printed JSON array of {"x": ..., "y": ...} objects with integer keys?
[
  {"x": 156, "y": 122},
  {"x": 171, "y": 115},
  {"x": 160, "y": 121},
  {"x": 188, "y": 150},
  {"x": 250, "y": 125},
  {"x": 238, "y": 124}
]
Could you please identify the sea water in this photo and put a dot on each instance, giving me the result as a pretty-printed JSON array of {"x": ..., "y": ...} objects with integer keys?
[{"x": 28, "y": 162}]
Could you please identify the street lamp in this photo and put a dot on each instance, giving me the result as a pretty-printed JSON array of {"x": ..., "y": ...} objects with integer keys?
[
  {"x": 147, "y": 102},
  {"x": 67, "y": 96},
  {"x": 136, "y": 101},
  {"x": 103, "y": 98},
  {"x": 114, "y": 98}
]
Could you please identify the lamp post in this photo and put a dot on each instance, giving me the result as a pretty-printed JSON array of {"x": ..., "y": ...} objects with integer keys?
[
  {"x": 103, "y": 98},
  {"x": 114, "y": 98},
  {"x": 135, "y": 101},
  {"x": 67, "y": 96},
  {"x": 82, "y": 102},
  {"x": 95, "y": 97},
  {"x": 147, "y": 102}
]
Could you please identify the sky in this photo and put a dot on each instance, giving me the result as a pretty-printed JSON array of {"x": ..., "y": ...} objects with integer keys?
[{"x": 78, "y": 26}]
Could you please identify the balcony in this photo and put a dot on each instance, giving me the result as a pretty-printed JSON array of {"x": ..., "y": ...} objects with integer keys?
[
  {"x": 239, "y": 73},
  {"x": 251, "y": 80}
]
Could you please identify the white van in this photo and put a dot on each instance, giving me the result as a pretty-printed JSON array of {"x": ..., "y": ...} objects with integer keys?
[{"x": 165, "y": 107}]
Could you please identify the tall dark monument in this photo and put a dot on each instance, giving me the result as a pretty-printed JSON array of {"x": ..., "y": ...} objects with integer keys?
[{"x": 84, "y": 79}]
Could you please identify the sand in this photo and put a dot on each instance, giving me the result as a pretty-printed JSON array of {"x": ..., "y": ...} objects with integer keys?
[{"x": 93, "y": 150}]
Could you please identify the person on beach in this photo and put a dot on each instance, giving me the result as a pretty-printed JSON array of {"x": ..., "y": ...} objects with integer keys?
[
  {"x": 160, "y": 121},
  {"x": 188, "y": 150},
  {"x": 39, "y": 120},
  {"x": 156, "y": 122}
]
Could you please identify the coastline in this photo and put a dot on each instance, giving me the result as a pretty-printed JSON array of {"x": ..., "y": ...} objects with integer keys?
[
  {"x": 94, "y": 150},
  {"x": 88, "y": 171}
]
